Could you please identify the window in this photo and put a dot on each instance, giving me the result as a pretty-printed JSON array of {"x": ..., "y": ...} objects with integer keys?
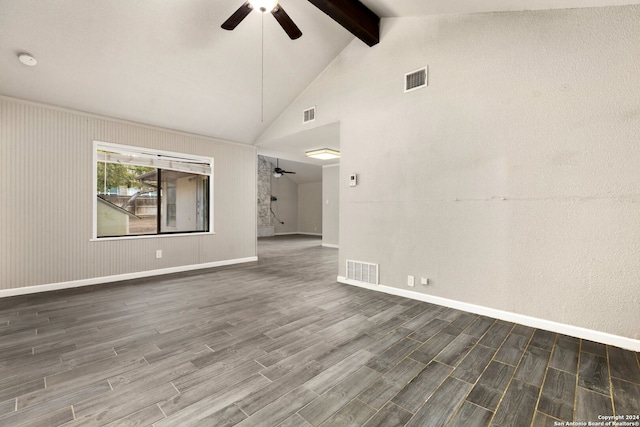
[{"x": 147, "y": 192}]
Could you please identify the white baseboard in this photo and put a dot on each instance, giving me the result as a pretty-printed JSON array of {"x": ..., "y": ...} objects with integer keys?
[
  {"x": 299, "y": 233},
  {"x": 118, "y": 277},
  {"x": 534, "y": 322},
  {"x": 330, "y": 245}
]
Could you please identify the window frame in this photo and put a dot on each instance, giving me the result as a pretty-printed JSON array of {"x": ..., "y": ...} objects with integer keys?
[{"x": 109, "y": 146}]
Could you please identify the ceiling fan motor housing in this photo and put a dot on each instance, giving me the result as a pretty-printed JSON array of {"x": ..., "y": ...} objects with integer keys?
[{"x": 264, "y": 6}]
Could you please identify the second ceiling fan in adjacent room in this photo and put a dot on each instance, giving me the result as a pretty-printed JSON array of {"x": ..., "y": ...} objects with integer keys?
[{"x": 278, "y": 171}]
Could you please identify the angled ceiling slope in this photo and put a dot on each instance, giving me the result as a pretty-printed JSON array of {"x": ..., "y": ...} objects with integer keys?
[{"x": 112, "y": 58}]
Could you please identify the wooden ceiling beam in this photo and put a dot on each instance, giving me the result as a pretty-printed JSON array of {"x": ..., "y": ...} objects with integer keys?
[{"x": 357, "y": 18}]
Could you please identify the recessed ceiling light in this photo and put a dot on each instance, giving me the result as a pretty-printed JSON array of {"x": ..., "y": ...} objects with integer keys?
[
  {"x": 27, "y": 59},
  {"x": 323, "y": 154}
]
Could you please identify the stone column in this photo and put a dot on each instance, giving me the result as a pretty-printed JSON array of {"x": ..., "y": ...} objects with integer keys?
[{"x": 265, "y": 228}]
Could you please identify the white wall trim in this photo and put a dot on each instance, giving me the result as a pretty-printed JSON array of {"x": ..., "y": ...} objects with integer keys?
[
  {"x": 118, "y": 277},
  {"x": 330, "y": 166},
  {"x": 330, "y": 245},
  {"x": 534, "y": 322}
]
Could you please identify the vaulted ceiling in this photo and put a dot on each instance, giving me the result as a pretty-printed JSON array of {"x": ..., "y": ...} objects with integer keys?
[{"x": 169, "y": 63}]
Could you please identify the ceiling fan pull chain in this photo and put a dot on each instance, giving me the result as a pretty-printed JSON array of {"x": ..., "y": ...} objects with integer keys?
[{"x": 262, "y": 68}]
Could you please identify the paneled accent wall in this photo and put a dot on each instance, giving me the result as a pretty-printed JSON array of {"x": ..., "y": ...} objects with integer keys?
[{"x": 47, "y": 199}]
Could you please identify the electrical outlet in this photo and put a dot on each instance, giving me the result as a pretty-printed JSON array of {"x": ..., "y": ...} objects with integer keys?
[
  {"x": 159, "y": 253},
  {"x": 411, "y": 281},
  {"x": 424, "y": 281}
]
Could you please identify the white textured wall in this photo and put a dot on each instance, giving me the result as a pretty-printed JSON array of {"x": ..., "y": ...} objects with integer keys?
[
  {"x": 310, "y": 208},
  {"x": 330, "y": 204},
  {"x": 298, "y": 206},
  {"x": 46, "y": 176},
  {"x": 512, "y": 181},
  {"x": 286, "y": 207}
]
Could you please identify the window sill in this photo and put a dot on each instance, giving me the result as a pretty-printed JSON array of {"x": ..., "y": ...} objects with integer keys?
[{"x": 150, "y": 236}]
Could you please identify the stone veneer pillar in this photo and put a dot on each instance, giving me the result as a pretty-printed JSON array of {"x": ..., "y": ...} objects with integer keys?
[{"x": 265, "y": 228}]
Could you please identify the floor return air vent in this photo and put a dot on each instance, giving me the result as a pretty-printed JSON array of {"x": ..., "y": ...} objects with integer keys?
[{"x": 362, "y": 272}]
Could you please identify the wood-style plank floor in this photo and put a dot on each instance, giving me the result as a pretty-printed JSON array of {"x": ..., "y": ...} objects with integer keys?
[{"x": 280, "y": 343}]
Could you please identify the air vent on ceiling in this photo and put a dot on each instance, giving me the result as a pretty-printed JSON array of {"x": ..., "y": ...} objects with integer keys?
[
  {"x": 309, "y": 115},
  {"x": 416, "y": 79},
  {"x": 362, "y": 272}
]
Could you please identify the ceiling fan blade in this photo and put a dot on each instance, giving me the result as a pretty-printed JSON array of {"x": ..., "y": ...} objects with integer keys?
[
  {"x": 237, "y": 16},
  {"x": 280, "y": 170},
  {"x": 286, "y": 23}
]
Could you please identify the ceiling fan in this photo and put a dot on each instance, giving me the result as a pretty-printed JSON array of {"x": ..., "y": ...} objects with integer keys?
[
  {"x": 278, "y": 172},
  {"x": 264, "y": 6}
]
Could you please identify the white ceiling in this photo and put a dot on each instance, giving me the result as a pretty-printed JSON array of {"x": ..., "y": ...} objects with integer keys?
[
  {"x": 164, "y": 62},
  {"x": 168, "y": 62},
  {"x": 399, "y": 8},
  {"x": 294, "y": 146}
]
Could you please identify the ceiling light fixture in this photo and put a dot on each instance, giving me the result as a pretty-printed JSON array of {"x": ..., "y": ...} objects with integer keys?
[
  {"x": 263, "y": 5},
  {"x": 323, "y": 154},
  {"x": 27, "y": 59}
]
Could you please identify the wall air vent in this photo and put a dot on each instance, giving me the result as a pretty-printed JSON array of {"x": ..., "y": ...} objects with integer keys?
[
  {"x": 362, "y": 272},
  {"x": 309, "y": 115},
  {"x": 416, "y": 79}
]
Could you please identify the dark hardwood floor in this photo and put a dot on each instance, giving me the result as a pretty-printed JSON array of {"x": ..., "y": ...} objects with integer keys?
[{"x": 280, "y": 343}]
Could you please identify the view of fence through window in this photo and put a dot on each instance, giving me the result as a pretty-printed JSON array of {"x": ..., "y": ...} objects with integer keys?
[{"x": 134, "y": 198}]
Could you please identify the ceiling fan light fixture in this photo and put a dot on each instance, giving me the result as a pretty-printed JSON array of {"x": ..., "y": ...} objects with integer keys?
[
  {"x": 27, "y": 59},
  {"x": 277, "y": 174},
  {"x": 323, "y": 154},
  {"x": 264, "y": 5}
]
